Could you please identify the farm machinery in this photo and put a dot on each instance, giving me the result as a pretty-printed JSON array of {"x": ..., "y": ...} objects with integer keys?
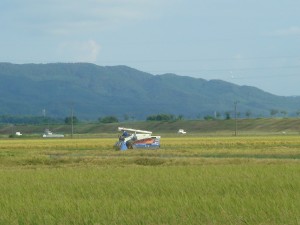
[{"x": 136, "y": 139}]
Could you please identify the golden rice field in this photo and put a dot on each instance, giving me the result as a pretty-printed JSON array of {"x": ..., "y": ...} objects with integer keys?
[{"x": 190, "y": 180}]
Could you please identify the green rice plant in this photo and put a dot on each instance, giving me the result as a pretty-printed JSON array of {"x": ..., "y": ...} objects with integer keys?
[
  {"x": 214, "y": 194},
  {"x": 198, "y": 180}
]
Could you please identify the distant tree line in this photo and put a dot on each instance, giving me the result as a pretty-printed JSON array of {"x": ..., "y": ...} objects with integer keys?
[
  {"x": 19, "y": 119},
  {"x": 248, "y": 114},
  {"x": 108, "y": 119},
  {"x": 13, "y": 119},
  {"x": 164, "y": 117},
  {"x": 71, "y": 119}
]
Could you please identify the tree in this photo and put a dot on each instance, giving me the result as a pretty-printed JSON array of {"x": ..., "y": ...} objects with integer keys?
[
  {"x": 161, "y": 117},
  {"x": 208, "y": 117},
  {"x": 180, "y": 117},
  {"x": 227, "y": 116},
  {"x": 218, "y": 115},
  {"x": 248, "y": 113},
  {"x": 108, "y": 119},
  {"x": 273, "y": 112},
  {"x": 70, "y": 119},
  {"x": 284, "y": 113}
]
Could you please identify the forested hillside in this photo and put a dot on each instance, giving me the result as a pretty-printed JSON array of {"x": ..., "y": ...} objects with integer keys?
[{"x": 93, "y": 91}]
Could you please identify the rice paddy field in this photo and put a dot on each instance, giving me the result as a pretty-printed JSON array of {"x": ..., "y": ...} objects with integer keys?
[{"x": 189, "y": 180}]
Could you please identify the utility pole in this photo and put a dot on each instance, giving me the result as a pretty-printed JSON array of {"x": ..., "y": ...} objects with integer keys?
[
  {"x": 45, "y": 121},
  {"x": 72, "y": 127},
  {"x": 235, "y": 115}
]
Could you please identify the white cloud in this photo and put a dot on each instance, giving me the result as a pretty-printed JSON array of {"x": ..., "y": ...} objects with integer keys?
[{"x": 85, "y": 51}]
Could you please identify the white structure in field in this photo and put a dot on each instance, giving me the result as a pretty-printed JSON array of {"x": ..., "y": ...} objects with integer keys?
[
  {"x": 49, "y": 134},
  {"x": 181, "y": 131}
]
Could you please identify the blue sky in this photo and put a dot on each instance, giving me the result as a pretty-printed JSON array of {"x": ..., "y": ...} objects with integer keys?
[{"x": 246, "y": 42}]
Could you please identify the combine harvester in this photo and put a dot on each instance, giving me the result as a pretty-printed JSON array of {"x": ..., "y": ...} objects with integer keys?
[{"x": 140, "y": 139}]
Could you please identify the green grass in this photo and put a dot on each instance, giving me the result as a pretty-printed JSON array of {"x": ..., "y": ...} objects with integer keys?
[
  {"x": 262, "y": 126},
  {"x": 190, "y": 180}
]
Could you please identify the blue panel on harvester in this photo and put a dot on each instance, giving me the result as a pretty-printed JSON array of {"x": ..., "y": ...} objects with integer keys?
[{"x": 123, "y": 146}]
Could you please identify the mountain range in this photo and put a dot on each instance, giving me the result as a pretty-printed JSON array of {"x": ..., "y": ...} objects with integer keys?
[{"x": 90, "y": 91}]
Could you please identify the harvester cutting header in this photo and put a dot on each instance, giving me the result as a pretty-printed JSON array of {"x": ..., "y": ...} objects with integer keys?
[{"x": 132, "y": 138}]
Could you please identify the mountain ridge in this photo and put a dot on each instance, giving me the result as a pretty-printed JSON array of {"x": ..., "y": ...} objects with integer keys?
[{"x": 94, "y": 91}]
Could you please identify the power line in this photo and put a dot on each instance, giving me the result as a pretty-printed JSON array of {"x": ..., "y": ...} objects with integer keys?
[
  {"x": 202, "y": 59},
  {"x": 228, "y": 70}
]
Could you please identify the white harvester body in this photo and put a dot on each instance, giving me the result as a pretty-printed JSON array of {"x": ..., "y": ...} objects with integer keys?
[{"x": 133, "y": 138}]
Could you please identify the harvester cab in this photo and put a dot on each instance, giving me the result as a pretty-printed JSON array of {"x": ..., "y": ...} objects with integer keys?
[{"x": 132, "y": 139}]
